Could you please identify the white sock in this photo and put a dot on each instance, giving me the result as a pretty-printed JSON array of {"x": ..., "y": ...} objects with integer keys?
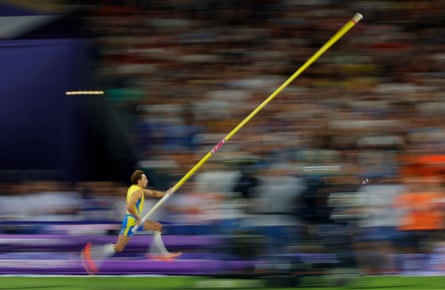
[
  {"x": 108, "y": 250},
  {"x": 158, "y": 245},
  {"x": 101, "y": 252}
]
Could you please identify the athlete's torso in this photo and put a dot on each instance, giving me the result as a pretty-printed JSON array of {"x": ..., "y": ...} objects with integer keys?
[{"x": 140, "y": 202}]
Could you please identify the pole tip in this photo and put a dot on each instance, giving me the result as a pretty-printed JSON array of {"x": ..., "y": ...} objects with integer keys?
[{"x": 357, "y": 17}]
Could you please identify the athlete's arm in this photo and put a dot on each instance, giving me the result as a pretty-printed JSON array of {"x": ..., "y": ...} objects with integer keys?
[
  {"x": 153, "y": 193},
  {"x": 131, "y": 205}
]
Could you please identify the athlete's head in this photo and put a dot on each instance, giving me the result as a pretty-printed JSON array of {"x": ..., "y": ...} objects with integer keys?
[{"x": 139, "y": 178}]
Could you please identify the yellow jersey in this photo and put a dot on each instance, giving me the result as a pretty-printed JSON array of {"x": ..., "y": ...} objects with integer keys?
[{"x": 140, "y": 202}]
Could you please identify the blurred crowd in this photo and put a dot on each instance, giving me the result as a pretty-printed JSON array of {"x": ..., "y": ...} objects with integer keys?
[
  {"x": 353, "y": 149},
  {"x": 183, "y": 73}
]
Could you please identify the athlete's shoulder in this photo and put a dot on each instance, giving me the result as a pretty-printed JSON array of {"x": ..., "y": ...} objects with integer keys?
[{"x": 134, "y": 189}]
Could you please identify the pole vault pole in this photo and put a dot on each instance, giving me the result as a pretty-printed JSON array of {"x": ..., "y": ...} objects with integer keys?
[{"x": 339, "y": 34}]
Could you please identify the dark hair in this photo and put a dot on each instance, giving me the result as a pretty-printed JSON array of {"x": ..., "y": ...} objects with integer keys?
[{"x": 137, "y": 174}]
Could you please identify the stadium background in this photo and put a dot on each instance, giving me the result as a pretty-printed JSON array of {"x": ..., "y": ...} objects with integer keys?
[{"x": 177, "y": 76}]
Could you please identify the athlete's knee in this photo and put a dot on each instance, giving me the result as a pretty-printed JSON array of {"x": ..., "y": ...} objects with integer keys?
[{"x": 153, "y": 225}]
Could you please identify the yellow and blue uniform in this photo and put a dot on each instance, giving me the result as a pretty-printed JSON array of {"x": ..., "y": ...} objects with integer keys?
[{"x": 129, "y": 221}]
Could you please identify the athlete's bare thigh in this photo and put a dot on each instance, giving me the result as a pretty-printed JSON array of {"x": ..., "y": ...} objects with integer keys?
[{"x": 152, "y": 226}]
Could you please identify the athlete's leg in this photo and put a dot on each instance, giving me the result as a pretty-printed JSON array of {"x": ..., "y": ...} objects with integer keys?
[
  {"x": 157, "y": 249},
  {"x": 152, "y": 226},
  {"x": 93, "y": 255},
  {"x": 121, "y": 243},
  {"x": 125, "y": 233}
]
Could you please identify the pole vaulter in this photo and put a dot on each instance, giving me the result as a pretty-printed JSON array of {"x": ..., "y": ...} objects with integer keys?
[{"x": 339, "y": 34}]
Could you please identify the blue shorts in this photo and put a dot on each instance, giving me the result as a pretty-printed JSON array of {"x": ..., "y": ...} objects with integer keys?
[{"x": 128, "y": 223}]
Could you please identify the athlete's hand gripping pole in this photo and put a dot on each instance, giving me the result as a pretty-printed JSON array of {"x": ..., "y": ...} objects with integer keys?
[{"x": 339, "y": 34}]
